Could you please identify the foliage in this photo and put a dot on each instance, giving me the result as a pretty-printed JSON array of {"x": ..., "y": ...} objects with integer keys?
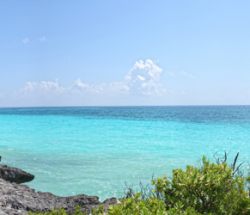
[
  {"x": 135, "y": 205},
  {"x": 213, "y": 188}
]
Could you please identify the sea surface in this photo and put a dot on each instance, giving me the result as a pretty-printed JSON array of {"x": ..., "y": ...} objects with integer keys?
[{"x": 101, "y": 150}]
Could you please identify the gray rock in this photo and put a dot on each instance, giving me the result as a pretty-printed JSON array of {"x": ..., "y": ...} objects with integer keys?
[
  {"x": 16, "y": 199},
  {"x": 16, "y": 175},
  {"x": 110, "y": 201}
]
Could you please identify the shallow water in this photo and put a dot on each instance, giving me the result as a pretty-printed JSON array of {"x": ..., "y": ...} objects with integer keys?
[{"x": 96, "y": 150}]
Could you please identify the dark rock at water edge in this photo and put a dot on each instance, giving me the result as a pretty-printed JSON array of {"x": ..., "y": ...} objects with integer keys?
[
  {"x": 17, "y": 199},
  {"x": 16, "y": 175}
]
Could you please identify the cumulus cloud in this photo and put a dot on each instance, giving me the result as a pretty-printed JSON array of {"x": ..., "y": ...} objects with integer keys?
[
  {"x": 143, "y": 79},
  {"x": 145, "y": 67}
]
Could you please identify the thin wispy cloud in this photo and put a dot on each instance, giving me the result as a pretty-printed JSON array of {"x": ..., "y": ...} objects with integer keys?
[
  {"x": 181, "y": 74},
  {"x": 1, "y": 95},
  {"x": 40, "y": 39},
  {"x": 26, "y": 40},
  {"x": 43, "y": 87}
]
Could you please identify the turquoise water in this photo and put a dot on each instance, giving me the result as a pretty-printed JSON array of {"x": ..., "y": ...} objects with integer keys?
[{"x": 96, "y": 150}]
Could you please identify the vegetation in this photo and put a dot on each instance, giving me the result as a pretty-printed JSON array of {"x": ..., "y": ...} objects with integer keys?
[{"x": 213, "y": 188}]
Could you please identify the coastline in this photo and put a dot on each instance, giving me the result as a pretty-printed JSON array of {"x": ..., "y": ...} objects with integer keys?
[
  {"x": 219, "y": 188},
  {"x": 19, "y": 199}
]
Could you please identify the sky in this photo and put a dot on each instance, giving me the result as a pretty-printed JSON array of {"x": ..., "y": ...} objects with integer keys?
[{"x": 140, "y": 52}]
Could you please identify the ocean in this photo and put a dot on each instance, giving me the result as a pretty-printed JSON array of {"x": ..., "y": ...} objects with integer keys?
[{"x": 102, "y": 150}]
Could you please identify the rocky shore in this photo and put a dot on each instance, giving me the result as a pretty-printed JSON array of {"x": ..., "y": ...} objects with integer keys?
[{"x": 18, "y": 199}]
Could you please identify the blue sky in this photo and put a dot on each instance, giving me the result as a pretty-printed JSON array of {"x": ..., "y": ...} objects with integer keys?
[{"x": 124, "y": 52}]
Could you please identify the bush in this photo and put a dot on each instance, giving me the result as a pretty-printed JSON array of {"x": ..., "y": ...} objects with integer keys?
[
  {"x": 150, "y": 206},
  {"x": 135, "y": 205},
  {"x": 213, "y": 188}
]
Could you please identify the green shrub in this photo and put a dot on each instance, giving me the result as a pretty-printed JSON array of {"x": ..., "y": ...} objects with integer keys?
[
  {"x": 213, "y": 188},
  {"x": 135, "y": 205}
]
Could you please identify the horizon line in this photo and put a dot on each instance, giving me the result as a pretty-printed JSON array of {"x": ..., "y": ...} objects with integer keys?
[{"x": 114, "y": 106}]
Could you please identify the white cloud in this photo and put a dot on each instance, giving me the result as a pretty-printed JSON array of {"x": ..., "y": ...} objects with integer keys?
[
  {"x": 146, "y": 68},
  {"x": 145, "y": 78},
  {"x": 43, "y": 87},
  {"x": 80, "y": 85},
  {"x": 27, "y": 40},
  {"x": 101, "y": 88},
  {"x": 86, "y": 87},
  {"x": 141, "y": 81}
]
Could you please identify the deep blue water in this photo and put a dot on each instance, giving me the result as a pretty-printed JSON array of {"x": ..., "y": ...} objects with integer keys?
[{"x": 95, "y": 150}]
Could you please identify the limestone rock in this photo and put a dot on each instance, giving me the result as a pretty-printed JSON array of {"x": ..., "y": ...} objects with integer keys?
[{"x": 16, "y": 175}]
